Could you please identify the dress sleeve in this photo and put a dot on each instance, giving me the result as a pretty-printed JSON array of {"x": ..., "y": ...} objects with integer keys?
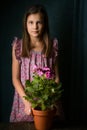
[
  {"x": 55, "y": 49},
  {"x": 17, "y": 43}
]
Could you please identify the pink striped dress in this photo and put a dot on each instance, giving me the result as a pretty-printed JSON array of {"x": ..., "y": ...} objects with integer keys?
[{"x": 36, "y": 58}]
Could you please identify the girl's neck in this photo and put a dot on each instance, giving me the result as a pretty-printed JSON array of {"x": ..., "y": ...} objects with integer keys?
[
  {"x": 35, "y": 40},
  {"x": 37, "y": 44}
]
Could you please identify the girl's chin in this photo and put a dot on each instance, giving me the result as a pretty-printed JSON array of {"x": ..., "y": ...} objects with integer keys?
[{"x": 35, "y": 35}]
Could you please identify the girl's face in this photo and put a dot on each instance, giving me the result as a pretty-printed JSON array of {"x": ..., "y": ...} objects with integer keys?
[{"x": 35, "y": 25}]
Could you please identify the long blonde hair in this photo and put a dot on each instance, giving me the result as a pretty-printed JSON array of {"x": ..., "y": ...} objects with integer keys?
[{"x": 45, "y": 36}]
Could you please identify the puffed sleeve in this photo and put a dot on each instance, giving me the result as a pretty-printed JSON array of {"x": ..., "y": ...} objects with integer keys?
[
  {"x": 17, "y": 43},
  {"x": 55, "y": 49}
]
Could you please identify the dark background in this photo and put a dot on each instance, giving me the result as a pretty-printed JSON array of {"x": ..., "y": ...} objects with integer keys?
[{"x": 67, "y": 20}]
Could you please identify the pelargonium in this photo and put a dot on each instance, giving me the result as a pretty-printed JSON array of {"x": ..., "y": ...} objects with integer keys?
[
  {"x": 43, "y": 92},
  {"x": 45, "y": 71}
]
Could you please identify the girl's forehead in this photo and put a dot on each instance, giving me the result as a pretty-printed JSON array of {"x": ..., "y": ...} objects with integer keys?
[{"x": 35, "y": 16}]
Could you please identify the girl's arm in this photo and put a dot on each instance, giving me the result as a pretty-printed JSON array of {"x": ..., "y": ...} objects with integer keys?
[{"x": 16, "y": 80}]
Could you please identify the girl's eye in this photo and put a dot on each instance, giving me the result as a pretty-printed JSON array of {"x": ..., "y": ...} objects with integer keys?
[
  {"x": 39, "y": 22},
  {"x": 30, "y": 22}
]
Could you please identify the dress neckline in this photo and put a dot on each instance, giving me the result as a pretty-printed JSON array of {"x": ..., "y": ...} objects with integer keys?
[{"x": 36, "y": 52}]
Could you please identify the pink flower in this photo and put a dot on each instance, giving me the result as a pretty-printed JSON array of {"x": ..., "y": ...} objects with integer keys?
[
  {"x": 39, "y": 72},
  {"x": 43, "y": 71},
  {"x": 48, "y": 76},
  {"x": 46, "y": 69},
  {"x": 34, "y": 68}
]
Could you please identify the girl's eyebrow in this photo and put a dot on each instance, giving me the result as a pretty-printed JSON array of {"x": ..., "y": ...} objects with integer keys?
[{"x": 35, "y": 21}]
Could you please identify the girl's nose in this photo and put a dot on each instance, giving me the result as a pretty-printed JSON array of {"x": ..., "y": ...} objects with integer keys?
[{"x": 35, "y": 25}]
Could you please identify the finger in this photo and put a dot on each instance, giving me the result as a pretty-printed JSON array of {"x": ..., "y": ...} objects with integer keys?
[
  {"x": 27, "y": 112},
  {"x": 30, "y": 111}
]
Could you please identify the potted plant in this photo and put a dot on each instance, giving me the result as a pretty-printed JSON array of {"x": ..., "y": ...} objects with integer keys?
[{"x": 43, "y": 93}]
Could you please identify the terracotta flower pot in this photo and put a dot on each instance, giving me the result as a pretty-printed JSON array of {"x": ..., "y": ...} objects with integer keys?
[{"x": 43, "y": 119}]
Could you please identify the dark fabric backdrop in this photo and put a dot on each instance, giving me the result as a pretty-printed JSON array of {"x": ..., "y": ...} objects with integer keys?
[
  {"x": 67, "y": 19},
  {"x": 78, "y": 89}
]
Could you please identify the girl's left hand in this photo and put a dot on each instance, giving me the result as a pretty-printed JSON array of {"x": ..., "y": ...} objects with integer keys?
[{"x": 28, "y": 109}]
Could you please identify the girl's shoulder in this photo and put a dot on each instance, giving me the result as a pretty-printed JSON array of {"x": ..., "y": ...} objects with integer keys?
[
  {"x": 55, "y": 46},
  {"x": 55, "y": 42},
  {"x": 17, "y": 44}
]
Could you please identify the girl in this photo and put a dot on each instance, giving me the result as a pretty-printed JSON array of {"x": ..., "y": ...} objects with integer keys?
[{"x": 35, "y": 48}]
